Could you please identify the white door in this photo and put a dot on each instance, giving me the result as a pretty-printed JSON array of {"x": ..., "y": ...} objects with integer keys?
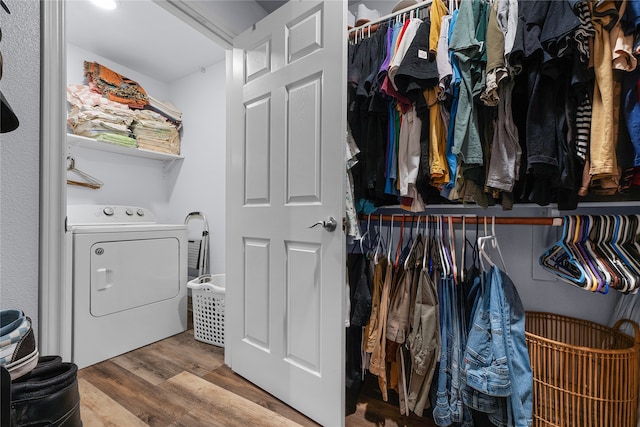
[{"x": 285, "y": 171}]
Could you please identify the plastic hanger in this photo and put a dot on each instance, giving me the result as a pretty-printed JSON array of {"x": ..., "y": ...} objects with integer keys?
[
  {"x": 427, "y": 241},
  {"x": 380, "y": 245},
  {"x": 598, "y": 237},
  {"x": 463, "y": 251},
  {"x": 452, "y": 246},
  {"x": 390, "y": 240},
  {"x": 445, "y": 257},
  {"x": 413, "y": 244},
  {"x": 493, "y": 240},
  {"x": 365, "y": 235},
  {"x": 590, "y": 282},
  {"x": 89, "y": 181},
  {"x": 594, "y": 281},
  {"x": 559, "y": 259},
  {"x": 620, "y": 231},
  {"x": 609, "y": 234},
  {"x": 612, "y": 277},
  {"x": 399, "y": 248},
  {"x": 481, "y": 243},
  {"x": 630, "y": 242},
  {"x": 594, "y": 263}
]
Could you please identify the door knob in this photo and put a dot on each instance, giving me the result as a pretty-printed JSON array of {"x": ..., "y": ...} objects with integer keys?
[{"x": 329, "y": 224}]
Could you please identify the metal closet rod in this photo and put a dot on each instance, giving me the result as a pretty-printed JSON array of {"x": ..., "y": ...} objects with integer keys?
[
  {"x": 468, "y": 219},
  {"x": 374, "y": 24}
]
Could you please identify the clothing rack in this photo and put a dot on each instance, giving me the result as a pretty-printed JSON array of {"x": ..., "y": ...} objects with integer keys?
[
  {"x": 372, "y": 26},
  {"x": 468, "y": 219}
]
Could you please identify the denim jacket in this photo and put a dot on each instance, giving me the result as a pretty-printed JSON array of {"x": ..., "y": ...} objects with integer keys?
[{"x": 496, "y": 358}]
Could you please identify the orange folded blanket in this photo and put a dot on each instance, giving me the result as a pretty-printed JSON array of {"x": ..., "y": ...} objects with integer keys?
[{"x": 115, "y": 86}]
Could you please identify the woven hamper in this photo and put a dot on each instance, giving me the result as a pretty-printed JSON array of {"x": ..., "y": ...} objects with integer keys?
[{"x": 584, "y": 374}]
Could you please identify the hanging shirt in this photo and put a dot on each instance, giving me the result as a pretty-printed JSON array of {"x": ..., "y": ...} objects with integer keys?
[
  {"x": 437, "y": 12},
  {"x": 468, "y": 50},
  {"x": 438, "y": 168},
  {"x": 603, "y": 145},
  {"x": 403, "y": 46},
  {"x": 622, "y": 45},
  {"x": 507, "y": 17},
  {"x": 443, "y": 60},
  {"x": 496, "y": 70},
  {"x": 452, "y": 159}
]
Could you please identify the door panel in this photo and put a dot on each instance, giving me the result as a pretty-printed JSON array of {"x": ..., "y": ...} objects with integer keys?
[
  {"x": 285, "y": 172},
  {"x": 303, "y": 141}
]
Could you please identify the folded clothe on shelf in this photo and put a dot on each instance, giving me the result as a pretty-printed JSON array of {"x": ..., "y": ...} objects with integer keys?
[
  {"x": 91, "y": 115},
  {"x": 118, "y": 139},
  {"x": 115, "y": 86},
  {"x": 154, "y": 132},
  {"x": 166, "y": 109}
]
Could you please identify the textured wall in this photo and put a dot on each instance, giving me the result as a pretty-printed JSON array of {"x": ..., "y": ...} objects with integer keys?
[{"x": 19, "y": 158}]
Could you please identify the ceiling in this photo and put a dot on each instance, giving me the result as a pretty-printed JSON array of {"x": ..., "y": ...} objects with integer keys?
[
  {"x": 145, "y": 37},
  {"x": 270, "y": 5}
]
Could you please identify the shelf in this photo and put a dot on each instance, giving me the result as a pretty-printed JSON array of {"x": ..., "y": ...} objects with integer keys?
[{"x": 82, "y": 141}]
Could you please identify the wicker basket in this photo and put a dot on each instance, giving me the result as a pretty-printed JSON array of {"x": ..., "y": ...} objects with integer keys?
[{"x": 584, "y": 374}]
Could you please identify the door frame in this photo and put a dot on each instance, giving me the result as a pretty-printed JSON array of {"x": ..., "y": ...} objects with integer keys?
[
  {"x": 54, "y": 283},
  {"x": 54, "y": 328}
]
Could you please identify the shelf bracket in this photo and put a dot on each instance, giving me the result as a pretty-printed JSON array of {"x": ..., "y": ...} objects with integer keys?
[{"x": 167, "y": 165}]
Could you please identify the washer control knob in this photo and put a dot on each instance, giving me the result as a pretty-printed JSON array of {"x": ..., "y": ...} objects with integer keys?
[
  {"x": 108, "y": 211},
  {"x": 129, "y": 211},
  {"x": 140, "y": 212}
]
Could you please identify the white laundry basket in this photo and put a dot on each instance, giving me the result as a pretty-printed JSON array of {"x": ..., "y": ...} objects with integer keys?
[{"x": 207, "y": 293}]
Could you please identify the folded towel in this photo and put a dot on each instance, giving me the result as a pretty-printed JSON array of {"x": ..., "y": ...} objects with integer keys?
[{"x": 117, "y": 139}]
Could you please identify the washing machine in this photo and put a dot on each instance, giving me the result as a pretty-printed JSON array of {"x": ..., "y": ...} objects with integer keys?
[{"x": 129, "y": 280}]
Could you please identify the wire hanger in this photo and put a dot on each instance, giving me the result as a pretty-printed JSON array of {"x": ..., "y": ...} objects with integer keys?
[{"x": 89, "y": 181}]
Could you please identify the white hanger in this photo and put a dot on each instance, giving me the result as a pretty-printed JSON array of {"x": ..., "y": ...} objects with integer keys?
[
  {"x": 427, "y": 242},
  {"x": 390, "y": 240},
  {"x": 494, "y": 244},
  {"x": 366, "y": 234},
  {"x": 446, "y": 268},
  {"x": 464, "y": 247},
  {"x": 452, "y": 247},
  {"x": 413, "y": 244},
  {"x": 378, "y": 246}
]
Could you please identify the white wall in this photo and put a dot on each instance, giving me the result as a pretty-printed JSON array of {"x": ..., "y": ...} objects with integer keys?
[
  {"x": 200, "y": 181},
  {"x": 383, "y": 6},
  {"x": 19, "y": 160},
  {"x": 172, "y": 190}
]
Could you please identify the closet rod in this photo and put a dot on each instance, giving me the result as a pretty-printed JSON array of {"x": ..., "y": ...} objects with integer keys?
[
  {"x": 457, "y": 219},
  {"x": 374, "y": 24}
]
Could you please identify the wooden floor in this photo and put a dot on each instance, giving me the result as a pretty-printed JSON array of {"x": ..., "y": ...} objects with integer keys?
[{"x": 183, "y": 382}]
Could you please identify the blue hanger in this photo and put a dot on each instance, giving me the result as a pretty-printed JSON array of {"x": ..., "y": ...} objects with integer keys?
[{"x": 561, "y": 261}]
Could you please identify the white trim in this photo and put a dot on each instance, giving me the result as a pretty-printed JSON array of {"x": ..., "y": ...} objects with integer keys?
[
  {"x": 229, "y": 94},
  {"x": 54, "y": 299}
]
